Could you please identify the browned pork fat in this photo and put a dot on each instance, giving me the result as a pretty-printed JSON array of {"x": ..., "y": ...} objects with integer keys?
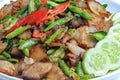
[
  {"x": 2, "y": 46},
  {"x": 36, "y": 71},
  {"x": 97, "y": 9},
  {"x": 7, "y": 67},
  {"x": 55, "y": 74},
  {"x": 13, "y": 8},
  {"x": 37, "y": 53},
  {"x": 84, "y": 38}
]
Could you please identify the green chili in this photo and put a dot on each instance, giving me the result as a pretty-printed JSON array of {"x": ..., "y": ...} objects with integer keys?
[
  {"x": 53, "y": 36},
  {"x": 17, "y": 32}
]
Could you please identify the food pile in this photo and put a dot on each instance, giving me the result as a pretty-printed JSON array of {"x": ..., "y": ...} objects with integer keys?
[{"x": 58, "y": 39}]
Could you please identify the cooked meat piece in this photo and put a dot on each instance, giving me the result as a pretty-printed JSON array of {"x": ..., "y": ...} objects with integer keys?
[
  {"x": 36, "y": 71},
  {"x": 66, "y": 37},
  {"x": 55, "y": 43},
  {"x": 7, "y": 67},
  {"x": 74, "y": 59},
  {"x": 2, "y": 46},
  {"x": 82, "y": 4},
  {"x": 97, "y": 8},
  {"x": 1, "y": 28},
  {"x": 37, "y": 53},
  {"x": 74, "y": 48},
  {"x": 15, "y": 52},
  {"x": 13, "y": 8},
  {"x": 55, "y": 74},
  {"x": 21, "y": 66},
  {"x": 5, "y": 11},
  {"x": 25, "y": 35},
  {"x": 84, "y": 38}
]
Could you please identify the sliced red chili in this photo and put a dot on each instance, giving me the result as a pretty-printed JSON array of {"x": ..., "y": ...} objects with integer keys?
[
  {"x": 44, "y": 1},
  {"x": 61, "y": 8},
  {"x": 40, "y": 16},
  {"x": 30, "y": 19}
]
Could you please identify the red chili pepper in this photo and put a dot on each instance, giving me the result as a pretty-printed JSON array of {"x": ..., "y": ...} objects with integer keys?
[
  {"x": 44, "y": 1},
  {"x": 30, "y": 19},
  {"x": 40, "y": 16},
  {"x": 38, "y": 35},
  {"x": 61, "y": 8}
]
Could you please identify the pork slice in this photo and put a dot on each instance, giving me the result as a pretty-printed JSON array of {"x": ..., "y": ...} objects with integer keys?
[
  {"x": 7, "y": 67},
  {"x": 36, "y": 71}
]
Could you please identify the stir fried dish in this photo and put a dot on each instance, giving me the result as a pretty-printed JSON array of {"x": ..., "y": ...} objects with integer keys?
[{"x": 58, "y": 39}]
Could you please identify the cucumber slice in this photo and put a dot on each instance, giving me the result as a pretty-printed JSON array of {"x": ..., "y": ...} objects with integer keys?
[
  {"x": 114, "y": 28},
  {"x": 111, "y": 47},
  {"x": 96, "y": 62},
  {"x": 115, "y": 16}
]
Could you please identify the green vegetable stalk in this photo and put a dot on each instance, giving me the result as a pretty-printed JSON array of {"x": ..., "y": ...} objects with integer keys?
[
  {"x": 26, "y": 51},
  {"x": 17, "y": 32},
  {"x": 13, "y": 60},
  {"x": 13, "y": 22},
  {"x": 6, "y": 54},
  {"x": 79, "y": 69},
  {"x": 58, "y": 22},
  {"x": 81, "y": 12},
  {"x": 59, "y": 1},
  {"x": 74, "y": 9},
  {"x": 53, "y": 36},
  {"x": 26, "y": 44},
  {"x": 57, "y": 55},
  {"x": 67, "y": 70},
  {"x": 2, "y": 57},
  {"x": 50, "y": 51},
  {"x": 31, "y": 6},
  {"x": 14, "y": 16}
]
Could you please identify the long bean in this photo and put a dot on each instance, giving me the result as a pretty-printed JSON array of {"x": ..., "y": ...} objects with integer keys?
[
  {"x": 58, "y": 22},
  {"x": 79, "y": 69},
  {"x": 57, "y": 55},
  {"x": 26, "y": 52},
  {"x": 74, "y": 9},
  {"x": 31, "y": 6},
  {"x": 27, "y": 44},
  {"x": 59, "y": 1},
  {"x": 17, "y": 32},
  {"x": 81, "y": 12},
  {"x": 2, "y": 57},
  {"x": 14, "y": 16},
  {"x": 13, "y": 22},
  {"x": 6, "y": 54},
  {"x": 13, "y": 60},
  {"x": 53, "y": 36},
  {"x": 50, "y": 51},
  {"x": 65, "y": 68}
]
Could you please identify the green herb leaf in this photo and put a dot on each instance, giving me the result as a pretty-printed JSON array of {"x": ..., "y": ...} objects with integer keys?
[{"x": 104, "y": 6}]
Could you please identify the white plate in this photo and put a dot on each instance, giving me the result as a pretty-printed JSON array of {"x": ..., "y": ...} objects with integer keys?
[{"x": 113, "y": 6}]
